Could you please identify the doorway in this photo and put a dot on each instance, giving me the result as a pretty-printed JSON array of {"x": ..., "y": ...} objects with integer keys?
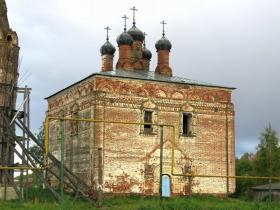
[{"x": 166, "y": 185}]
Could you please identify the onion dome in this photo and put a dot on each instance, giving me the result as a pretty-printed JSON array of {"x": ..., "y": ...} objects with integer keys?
[
  {"x": 163, "y": 44},
  {"x": 107, "y": 49},
  {"x": 136, "y": 33},
  {"x": 146, "y": 54},
  {"x": 124, "y": 39}
]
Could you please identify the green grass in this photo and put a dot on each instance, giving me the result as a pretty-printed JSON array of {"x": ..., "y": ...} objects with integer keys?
[{"x": 41, "y": 200}]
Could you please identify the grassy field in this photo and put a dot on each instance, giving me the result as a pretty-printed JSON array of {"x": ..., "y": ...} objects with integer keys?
[{"x": 43, "y": 201}]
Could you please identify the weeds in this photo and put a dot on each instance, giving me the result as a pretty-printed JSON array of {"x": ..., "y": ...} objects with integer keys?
[{"x": 40, "y": 199}]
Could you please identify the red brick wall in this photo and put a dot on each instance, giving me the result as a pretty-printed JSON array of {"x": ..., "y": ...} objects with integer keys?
[
  {"x": 205, "y": 152},
  {"x": 131, "y": 158}
]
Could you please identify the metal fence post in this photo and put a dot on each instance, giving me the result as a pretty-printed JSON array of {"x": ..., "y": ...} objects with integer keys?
[
  {"x": 227, "y": 150},
  {"x": 270, "y": 171},
  {"x": 62, "y": 161},
  {"x": 100, "y": 177},
  {"x": 160, "y": 165},
  {"x": 190, "y": 187},
  {"x": 21, "y": 185}
]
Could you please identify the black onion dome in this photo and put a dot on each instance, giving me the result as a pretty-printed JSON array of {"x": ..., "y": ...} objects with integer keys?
[
  {"x": 136, "y": 34},
  {"x": 146, "y": 54},
  {"x": 124, "y": 39},
  {"x": 163, "y": 44},
  {"x": 107, "y": 49}
]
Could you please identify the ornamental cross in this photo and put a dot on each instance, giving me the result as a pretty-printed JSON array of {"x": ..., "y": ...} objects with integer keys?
[
  {"x": 134, "y": 10},
  {"x": 107, "y": 29},
  {"x": 163, "y": 23},
  {"x": 145, "y": 39},
  {"x": 125, "y": 18}
]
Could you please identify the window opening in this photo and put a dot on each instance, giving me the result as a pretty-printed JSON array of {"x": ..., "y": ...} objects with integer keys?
[
  {"x": 186, "y": 123},
  {"x": 148, "y": 119}
]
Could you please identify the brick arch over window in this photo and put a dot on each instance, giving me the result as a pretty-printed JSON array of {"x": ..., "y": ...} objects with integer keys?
[
  {"x": 149, "y": 114},
  {"x": 106, "y": 88},
  {"x": 161, "y": 94},
  {"x": 142, "y": 92},
  {"x": 177, "y": 95}
]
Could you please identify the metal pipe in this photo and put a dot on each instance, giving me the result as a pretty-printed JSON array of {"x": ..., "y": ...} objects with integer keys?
[
  {"x": 21, "y": 194},
  {"x": 56, "y": 195},
  {"x": 46, "y": 141},
  {"x": 78, "y": 183},
  {"x": 27, "y": 119},
  {"x": 62, "y": 161},
  {"x": 200, "y": 175},
  {"x": 160, "y": 163},
  {"x": 190, "y": 186},
  {"x": 227, "y": 144},
  {"x": 20, "y": 168},
  {"x": 173, "y": 152},
  {"x": 100, "y": 177},
  {"x": 87, "y": 120},
  {"x": 270, "y": 171},
  {"x": 230, "y": 177},
  {"x": 107, "y": 121}
]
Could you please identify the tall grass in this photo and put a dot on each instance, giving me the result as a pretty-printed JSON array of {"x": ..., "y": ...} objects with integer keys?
[{"x": 39, "y": 199}]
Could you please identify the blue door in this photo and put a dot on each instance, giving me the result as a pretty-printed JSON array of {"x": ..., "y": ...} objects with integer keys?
[{"x": 166, "y": 186}]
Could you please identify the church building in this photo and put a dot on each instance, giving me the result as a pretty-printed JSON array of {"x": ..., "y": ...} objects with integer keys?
[{"x": 133, "y": 91}]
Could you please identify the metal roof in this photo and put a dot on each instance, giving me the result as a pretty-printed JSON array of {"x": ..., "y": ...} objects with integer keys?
[{"x": 146, "y": 75}]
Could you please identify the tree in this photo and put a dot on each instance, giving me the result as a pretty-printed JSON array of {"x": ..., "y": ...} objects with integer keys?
[
  {"x": 35, "y": 149},
  {"x": 267, "y": 158},
  {"x": 244, "y": 167},
  {"x": 265, "y": 162}
]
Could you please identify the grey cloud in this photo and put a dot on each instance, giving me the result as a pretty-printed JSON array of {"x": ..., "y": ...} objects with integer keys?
[{"x": 233, "y": 42}]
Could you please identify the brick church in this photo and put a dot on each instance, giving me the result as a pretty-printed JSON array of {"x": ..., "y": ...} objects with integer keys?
[{"x": 202, "y": 113}]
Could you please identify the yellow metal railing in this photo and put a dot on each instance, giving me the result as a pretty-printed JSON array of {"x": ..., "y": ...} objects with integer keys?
[
  {"x": 128, "y": 123},
  {"x": 210, "y": 176},
  {"x": 92, "y": 120},
  {"x": 86, "y": 120},
  {"x": 46, "y": 152}
]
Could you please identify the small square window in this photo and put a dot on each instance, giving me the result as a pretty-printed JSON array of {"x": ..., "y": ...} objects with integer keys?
[
  {"x": 186, "y": 124},
  {"x": 148, "y": 115}
]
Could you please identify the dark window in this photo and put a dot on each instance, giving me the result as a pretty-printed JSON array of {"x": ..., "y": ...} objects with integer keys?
[
  {"x": 186, "y": 123},
  {"x": 148, "y": 119},
  {"x": 9, "y": 38}
]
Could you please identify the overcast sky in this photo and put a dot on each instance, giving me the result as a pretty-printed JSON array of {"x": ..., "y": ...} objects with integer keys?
[{"x": 227, "y": 42}]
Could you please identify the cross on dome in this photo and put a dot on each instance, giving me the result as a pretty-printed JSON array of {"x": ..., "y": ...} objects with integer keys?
[
  {"x": 163, "y": 32},
  {"x": 134, "y": 10},
  {"x": 107, "y": 33},
  {"x": 125, "y": 18},
  {"x": 144, "y": 42}
]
